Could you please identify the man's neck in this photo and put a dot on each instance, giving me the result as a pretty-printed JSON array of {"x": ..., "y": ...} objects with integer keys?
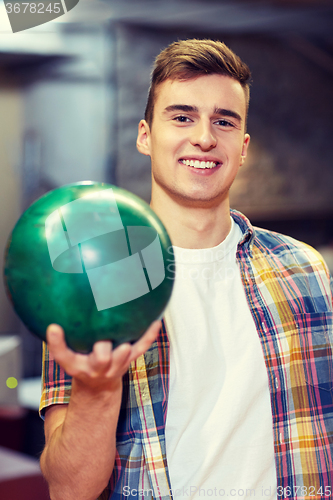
[{"x": 193, "y": 226}]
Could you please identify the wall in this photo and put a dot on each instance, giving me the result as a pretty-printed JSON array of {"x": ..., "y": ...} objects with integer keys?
[
  {"x": 10, "y": 182},
  {"x": 289, "y": 171},
  {"x": 55, "y": 129}
]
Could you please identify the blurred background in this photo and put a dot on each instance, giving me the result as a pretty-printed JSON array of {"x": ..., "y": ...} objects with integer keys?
[{"x": 72, "y": 92}]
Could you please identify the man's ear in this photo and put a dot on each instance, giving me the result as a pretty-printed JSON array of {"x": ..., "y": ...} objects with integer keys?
[
  {"x": 245, "y": 148},
  {"x": 143, "y": 140}
]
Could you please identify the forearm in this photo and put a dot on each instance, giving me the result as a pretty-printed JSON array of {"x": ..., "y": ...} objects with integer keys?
[{"x": 79, "y": 457}]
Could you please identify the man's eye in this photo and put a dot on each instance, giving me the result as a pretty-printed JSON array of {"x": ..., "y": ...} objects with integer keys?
[
  {"x": 181, "y": 119},
  {"x": 224, "y": 123}
]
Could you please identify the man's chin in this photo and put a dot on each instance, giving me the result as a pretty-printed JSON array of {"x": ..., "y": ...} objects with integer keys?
[{"x": 198, "y": 200}]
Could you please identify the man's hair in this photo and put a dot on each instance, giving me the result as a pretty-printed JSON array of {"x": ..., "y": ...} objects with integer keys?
[{"x": 188, "y": 59}]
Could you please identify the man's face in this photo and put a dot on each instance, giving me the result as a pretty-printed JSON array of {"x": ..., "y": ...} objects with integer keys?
[{"x": 197, "y": 140}]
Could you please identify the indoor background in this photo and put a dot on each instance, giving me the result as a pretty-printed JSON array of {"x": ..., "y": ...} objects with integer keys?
[{"x": 72, "y": 92}]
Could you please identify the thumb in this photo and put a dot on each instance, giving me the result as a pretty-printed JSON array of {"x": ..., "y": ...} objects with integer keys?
[{"x": 55, "y": 336}]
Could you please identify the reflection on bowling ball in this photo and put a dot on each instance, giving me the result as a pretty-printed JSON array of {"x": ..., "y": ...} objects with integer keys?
[{"x": 94, "y": 259}]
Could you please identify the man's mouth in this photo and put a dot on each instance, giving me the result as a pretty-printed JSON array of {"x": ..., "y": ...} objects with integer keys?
[{"x": 200, "y": 164}]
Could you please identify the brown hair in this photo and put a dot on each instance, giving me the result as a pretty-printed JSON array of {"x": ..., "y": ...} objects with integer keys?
[{"x": 188, "y": 59}]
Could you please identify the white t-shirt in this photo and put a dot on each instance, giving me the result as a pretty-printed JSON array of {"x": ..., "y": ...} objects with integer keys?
[{"x": 219, "y": 436}]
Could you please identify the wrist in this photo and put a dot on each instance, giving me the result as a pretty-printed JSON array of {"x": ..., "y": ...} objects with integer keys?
[
  {"x": 97, "y": 390},
  {"x": 97, "y": 387}
]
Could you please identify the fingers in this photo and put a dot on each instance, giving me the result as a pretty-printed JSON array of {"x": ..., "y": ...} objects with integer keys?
[
  {"x": 124, "y": 354},
  {"x": 101, "y": 355},
  {"x": 55, "y": 337},
  {"x": 70, "y": 361},
  {"x": 76, "y": 364},
  {"x": 120, "y": 360},
  {"x": 112, "y": 363},
  {"x": 103, "y": 361}
]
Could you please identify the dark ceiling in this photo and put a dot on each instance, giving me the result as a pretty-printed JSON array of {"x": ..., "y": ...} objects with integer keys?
[
  {"x": 310, "y": 17},
  {"x": 307, "y": 25}
]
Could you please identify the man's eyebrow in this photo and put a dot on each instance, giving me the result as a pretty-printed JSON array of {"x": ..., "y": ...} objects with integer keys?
[
  {"x": 181, "y": 107},
  {"x": 193, "y": 109},
  {"x": 228, "y": 112}
]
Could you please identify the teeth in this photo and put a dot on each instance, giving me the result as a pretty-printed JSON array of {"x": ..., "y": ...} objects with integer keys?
[{"x": 199, "y": 164}]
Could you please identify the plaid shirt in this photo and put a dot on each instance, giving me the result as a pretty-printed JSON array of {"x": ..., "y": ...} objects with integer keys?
[{"x": 288, "y": 291}]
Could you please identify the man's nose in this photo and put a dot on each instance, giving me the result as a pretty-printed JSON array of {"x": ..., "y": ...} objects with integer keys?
[{"x": 203, "y": 136}]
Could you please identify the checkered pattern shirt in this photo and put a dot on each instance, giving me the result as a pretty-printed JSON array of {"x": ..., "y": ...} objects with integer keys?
[{"x": 288, "y": 292}]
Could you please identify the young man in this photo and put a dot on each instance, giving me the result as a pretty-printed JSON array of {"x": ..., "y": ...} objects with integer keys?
[{"x": 233, "y": 396}]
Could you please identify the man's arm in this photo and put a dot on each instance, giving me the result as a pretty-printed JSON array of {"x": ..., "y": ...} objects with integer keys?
[{"x": 80, "y": 437}]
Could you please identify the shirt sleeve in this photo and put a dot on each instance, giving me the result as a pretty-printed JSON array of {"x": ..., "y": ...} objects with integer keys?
[{"x": 56, "y": 384}]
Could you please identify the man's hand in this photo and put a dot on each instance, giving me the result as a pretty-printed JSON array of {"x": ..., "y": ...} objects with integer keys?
[
  {"x": 80, "y": 437},
  {"x": 103, "y": 365}
]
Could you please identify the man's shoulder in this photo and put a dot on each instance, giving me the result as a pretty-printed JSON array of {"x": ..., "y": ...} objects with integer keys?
[
  {"x": 271, "y": 241},
  {"x": 275, "y": 241},
  {"x": 280, "y": 246},
  {"x": 283, "y": 246},
  {"x": 276, "y": 255}
]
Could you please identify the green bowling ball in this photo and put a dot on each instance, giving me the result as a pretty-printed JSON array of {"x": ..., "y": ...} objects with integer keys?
[{"x": 93, "y": 258}]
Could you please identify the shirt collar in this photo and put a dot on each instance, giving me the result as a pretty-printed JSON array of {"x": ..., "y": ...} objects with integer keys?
[{"x": 247, "y": 229}]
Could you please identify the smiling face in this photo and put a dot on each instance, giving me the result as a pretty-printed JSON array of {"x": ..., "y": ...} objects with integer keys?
[{"x": 197, "y": 140}]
